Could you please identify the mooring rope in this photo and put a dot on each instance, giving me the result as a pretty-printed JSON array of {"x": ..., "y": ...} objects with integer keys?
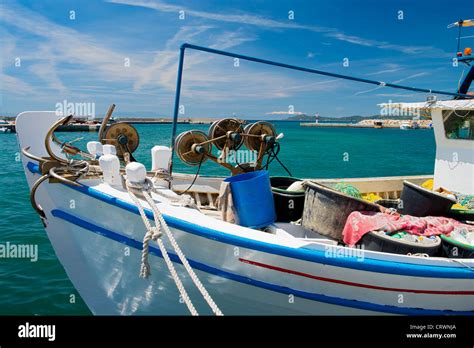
[
  {"x": 184, "y": 261},
  {"x": 155, "y": 233}
]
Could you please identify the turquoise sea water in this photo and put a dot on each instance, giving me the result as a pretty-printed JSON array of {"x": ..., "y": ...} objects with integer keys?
[{"x": 43, "y": 288}]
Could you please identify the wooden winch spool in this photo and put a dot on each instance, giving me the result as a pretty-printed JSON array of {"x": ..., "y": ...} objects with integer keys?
[
  {"x": 122, "y": 135},
  {"x": 194, "y": 147}
]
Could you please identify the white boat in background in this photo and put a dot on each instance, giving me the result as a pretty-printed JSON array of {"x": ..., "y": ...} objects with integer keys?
[
  {"x": 97, "y": 232},
  {"x": 3, "y": 128},
  {"x": 409, "y": 125},
  {"x": 405, "y": 125}
]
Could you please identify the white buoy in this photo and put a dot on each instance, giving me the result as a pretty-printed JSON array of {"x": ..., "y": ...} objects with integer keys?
[
  {"x": 109, "y": 150},
  {"x": 136, "y": 173},
  {"x": 296, "y": 186},
  {"x": 160, "y": 158},
  {"x": 110, "y": 166},
  {"x": 95, "y": 148}
]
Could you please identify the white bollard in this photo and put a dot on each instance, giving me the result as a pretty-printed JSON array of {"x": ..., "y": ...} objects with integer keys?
[
  {"x": 109, "y": 149},
  {"x": 110, "y": 166},
  {"x": 136, "y": 173},
  {"x": 95, "y": 148},
  {"x": 160, "y": 158}
]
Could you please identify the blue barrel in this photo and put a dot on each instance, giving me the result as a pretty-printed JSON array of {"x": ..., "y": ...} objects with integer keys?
[{"x": 253, "y": 199}]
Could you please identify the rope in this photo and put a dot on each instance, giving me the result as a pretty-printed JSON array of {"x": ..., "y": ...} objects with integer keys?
[
  {"x": 152, "y": 233},
  {"x": 180, "y": 200},
  {"x": 159, "y": 219},
  {"x": 462, "y": 263},
  {"x": 145, "y": 266},
  {"x": 418, "y": 254}
]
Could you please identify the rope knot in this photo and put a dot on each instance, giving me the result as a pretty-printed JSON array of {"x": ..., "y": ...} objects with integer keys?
[
  {"x": 139, "y": 188},
  {"x": 155, "y": 233}
]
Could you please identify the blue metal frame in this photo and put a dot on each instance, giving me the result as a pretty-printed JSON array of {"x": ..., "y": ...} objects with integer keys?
[{"x": 281, "y": 65}]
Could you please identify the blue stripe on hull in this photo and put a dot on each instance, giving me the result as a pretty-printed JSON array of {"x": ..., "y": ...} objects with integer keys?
[
  {"x": 242, "y": 279},
  {"x": 371, "y": 265}
]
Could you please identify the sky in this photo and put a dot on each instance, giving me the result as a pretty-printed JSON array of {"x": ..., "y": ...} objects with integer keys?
[{"x": 126, "y": 52}]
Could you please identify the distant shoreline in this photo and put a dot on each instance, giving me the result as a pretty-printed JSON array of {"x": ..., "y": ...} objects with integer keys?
[
  {"x": 209, "y": 120},
  {"x": 368, "y": 123}
]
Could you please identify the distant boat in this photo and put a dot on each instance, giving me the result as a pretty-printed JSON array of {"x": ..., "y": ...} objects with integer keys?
[
  {"x": 5, "y": 127},
  {"x": 409, "y": 125},
  {"x": 405, "y": 125},
  {"x": 378, "y": 124}
]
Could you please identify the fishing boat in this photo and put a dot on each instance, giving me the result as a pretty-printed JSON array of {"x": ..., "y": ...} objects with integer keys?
[{"x": 153, "y": 242}]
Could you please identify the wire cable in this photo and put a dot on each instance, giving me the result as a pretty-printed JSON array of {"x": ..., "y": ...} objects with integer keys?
[{"x": 195, "y": 177}]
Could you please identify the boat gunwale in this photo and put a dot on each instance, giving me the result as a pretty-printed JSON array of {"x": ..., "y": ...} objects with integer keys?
[{"x": 301, "y": 253}]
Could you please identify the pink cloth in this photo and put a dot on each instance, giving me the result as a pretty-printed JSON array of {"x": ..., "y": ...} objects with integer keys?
[{"x": 360, "y": 222}]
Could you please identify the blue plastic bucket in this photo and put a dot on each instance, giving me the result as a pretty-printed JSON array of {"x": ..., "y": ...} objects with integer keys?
[{"x": 253, "y": 199}]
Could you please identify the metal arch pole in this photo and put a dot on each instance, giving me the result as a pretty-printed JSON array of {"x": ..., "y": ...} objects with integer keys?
[
  {"x": 464, "y": 88},
  {"x": 176, "y": 103},
  {"x": 459, "y": 34},
  {"x": 320, "y": 72},
  {"x": 281, "y": 65}
]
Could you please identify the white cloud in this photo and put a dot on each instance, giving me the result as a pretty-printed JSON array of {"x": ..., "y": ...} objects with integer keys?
[
  {"x": 66, "y": 61},
  {"x": 230, "y": 18},
  {"x": 412, "y": 77},
  {"x": 388, "y": 68},
  {"x": 14, "y": 85},
  {"x": 59, "y": 52},
  {"x": 70, "y": 62},
  {"x": 397, "y": 81},
  {"x": 47, "y": 72},
  {"x": 368, "y": 90},
  {"x": 55, "y": 44},
  {"x": 352, "y": 39},
  {"x": 262, "y": 22}
]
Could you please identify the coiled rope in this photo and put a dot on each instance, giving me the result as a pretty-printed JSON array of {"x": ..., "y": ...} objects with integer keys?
[{"x": 154, "y": 233}]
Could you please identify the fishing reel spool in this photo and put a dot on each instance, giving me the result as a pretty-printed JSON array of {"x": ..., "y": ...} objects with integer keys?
[
  {"x": 259, "y": 135},
  {"x": 122, "y": 135},
  {"x": 226, "y": 133},
  {"x": 194, "y": 147}
]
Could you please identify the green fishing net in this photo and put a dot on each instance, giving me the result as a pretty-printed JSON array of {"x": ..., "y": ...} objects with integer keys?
[{"x": 347, "y": 189}]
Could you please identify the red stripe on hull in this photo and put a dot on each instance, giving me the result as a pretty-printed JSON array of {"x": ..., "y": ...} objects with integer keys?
[{"x": 359, "y": 285}]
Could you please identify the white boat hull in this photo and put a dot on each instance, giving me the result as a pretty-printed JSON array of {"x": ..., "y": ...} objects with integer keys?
[
  {"x": 100, "y": 249},
  {"x": 97, "y": 234}
]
